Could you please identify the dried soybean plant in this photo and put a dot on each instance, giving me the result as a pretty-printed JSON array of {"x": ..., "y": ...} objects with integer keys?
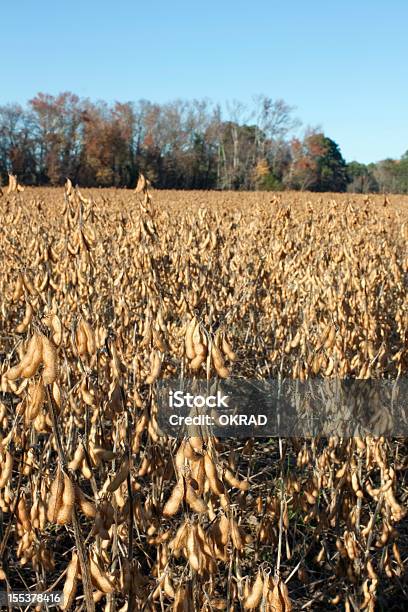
[{"x": 103, "y": 294}]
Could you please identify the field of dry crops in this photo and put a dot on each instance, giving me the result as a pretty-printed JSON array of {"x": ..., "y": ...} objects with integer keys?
[{"x": 105, "y": 292}]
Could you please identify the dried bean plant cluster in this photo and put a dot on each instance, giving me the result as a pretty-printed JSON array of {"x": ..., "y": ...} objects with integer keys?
[{"x": 101, "y": 296}]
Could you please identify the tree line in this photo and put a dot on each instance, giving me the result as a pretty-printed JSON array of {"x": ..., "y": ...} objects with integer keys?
[{"x": 180, "y": 144}]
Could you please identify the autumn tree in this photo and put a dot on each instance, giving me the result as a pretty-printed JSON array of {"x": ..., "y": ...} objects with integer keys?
[
  {"x": 108, "y": 143},
  {"x": 361, "y": 178},
  {"x": 317, "y": 164},
  {"x": 392, "y": 175},
  {"x": 17, "y": 147},
  {"x": 57, "y": 136},
  {"x": 275, "y": 121}
]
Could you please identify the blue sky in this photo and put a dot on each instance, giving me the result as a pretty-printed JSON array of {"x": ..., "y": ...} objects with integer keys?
[{"x": 342, "y": 64}]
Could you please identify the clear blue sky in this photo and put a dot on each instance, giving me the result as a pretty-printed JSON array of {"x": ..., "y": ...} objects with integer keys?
[{"x": 342, "y": 64}]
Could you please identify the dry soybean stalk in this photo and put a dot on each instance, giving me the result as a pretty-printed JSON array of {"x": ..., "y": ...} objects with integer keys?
[{"x": 82, "y": 555}]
